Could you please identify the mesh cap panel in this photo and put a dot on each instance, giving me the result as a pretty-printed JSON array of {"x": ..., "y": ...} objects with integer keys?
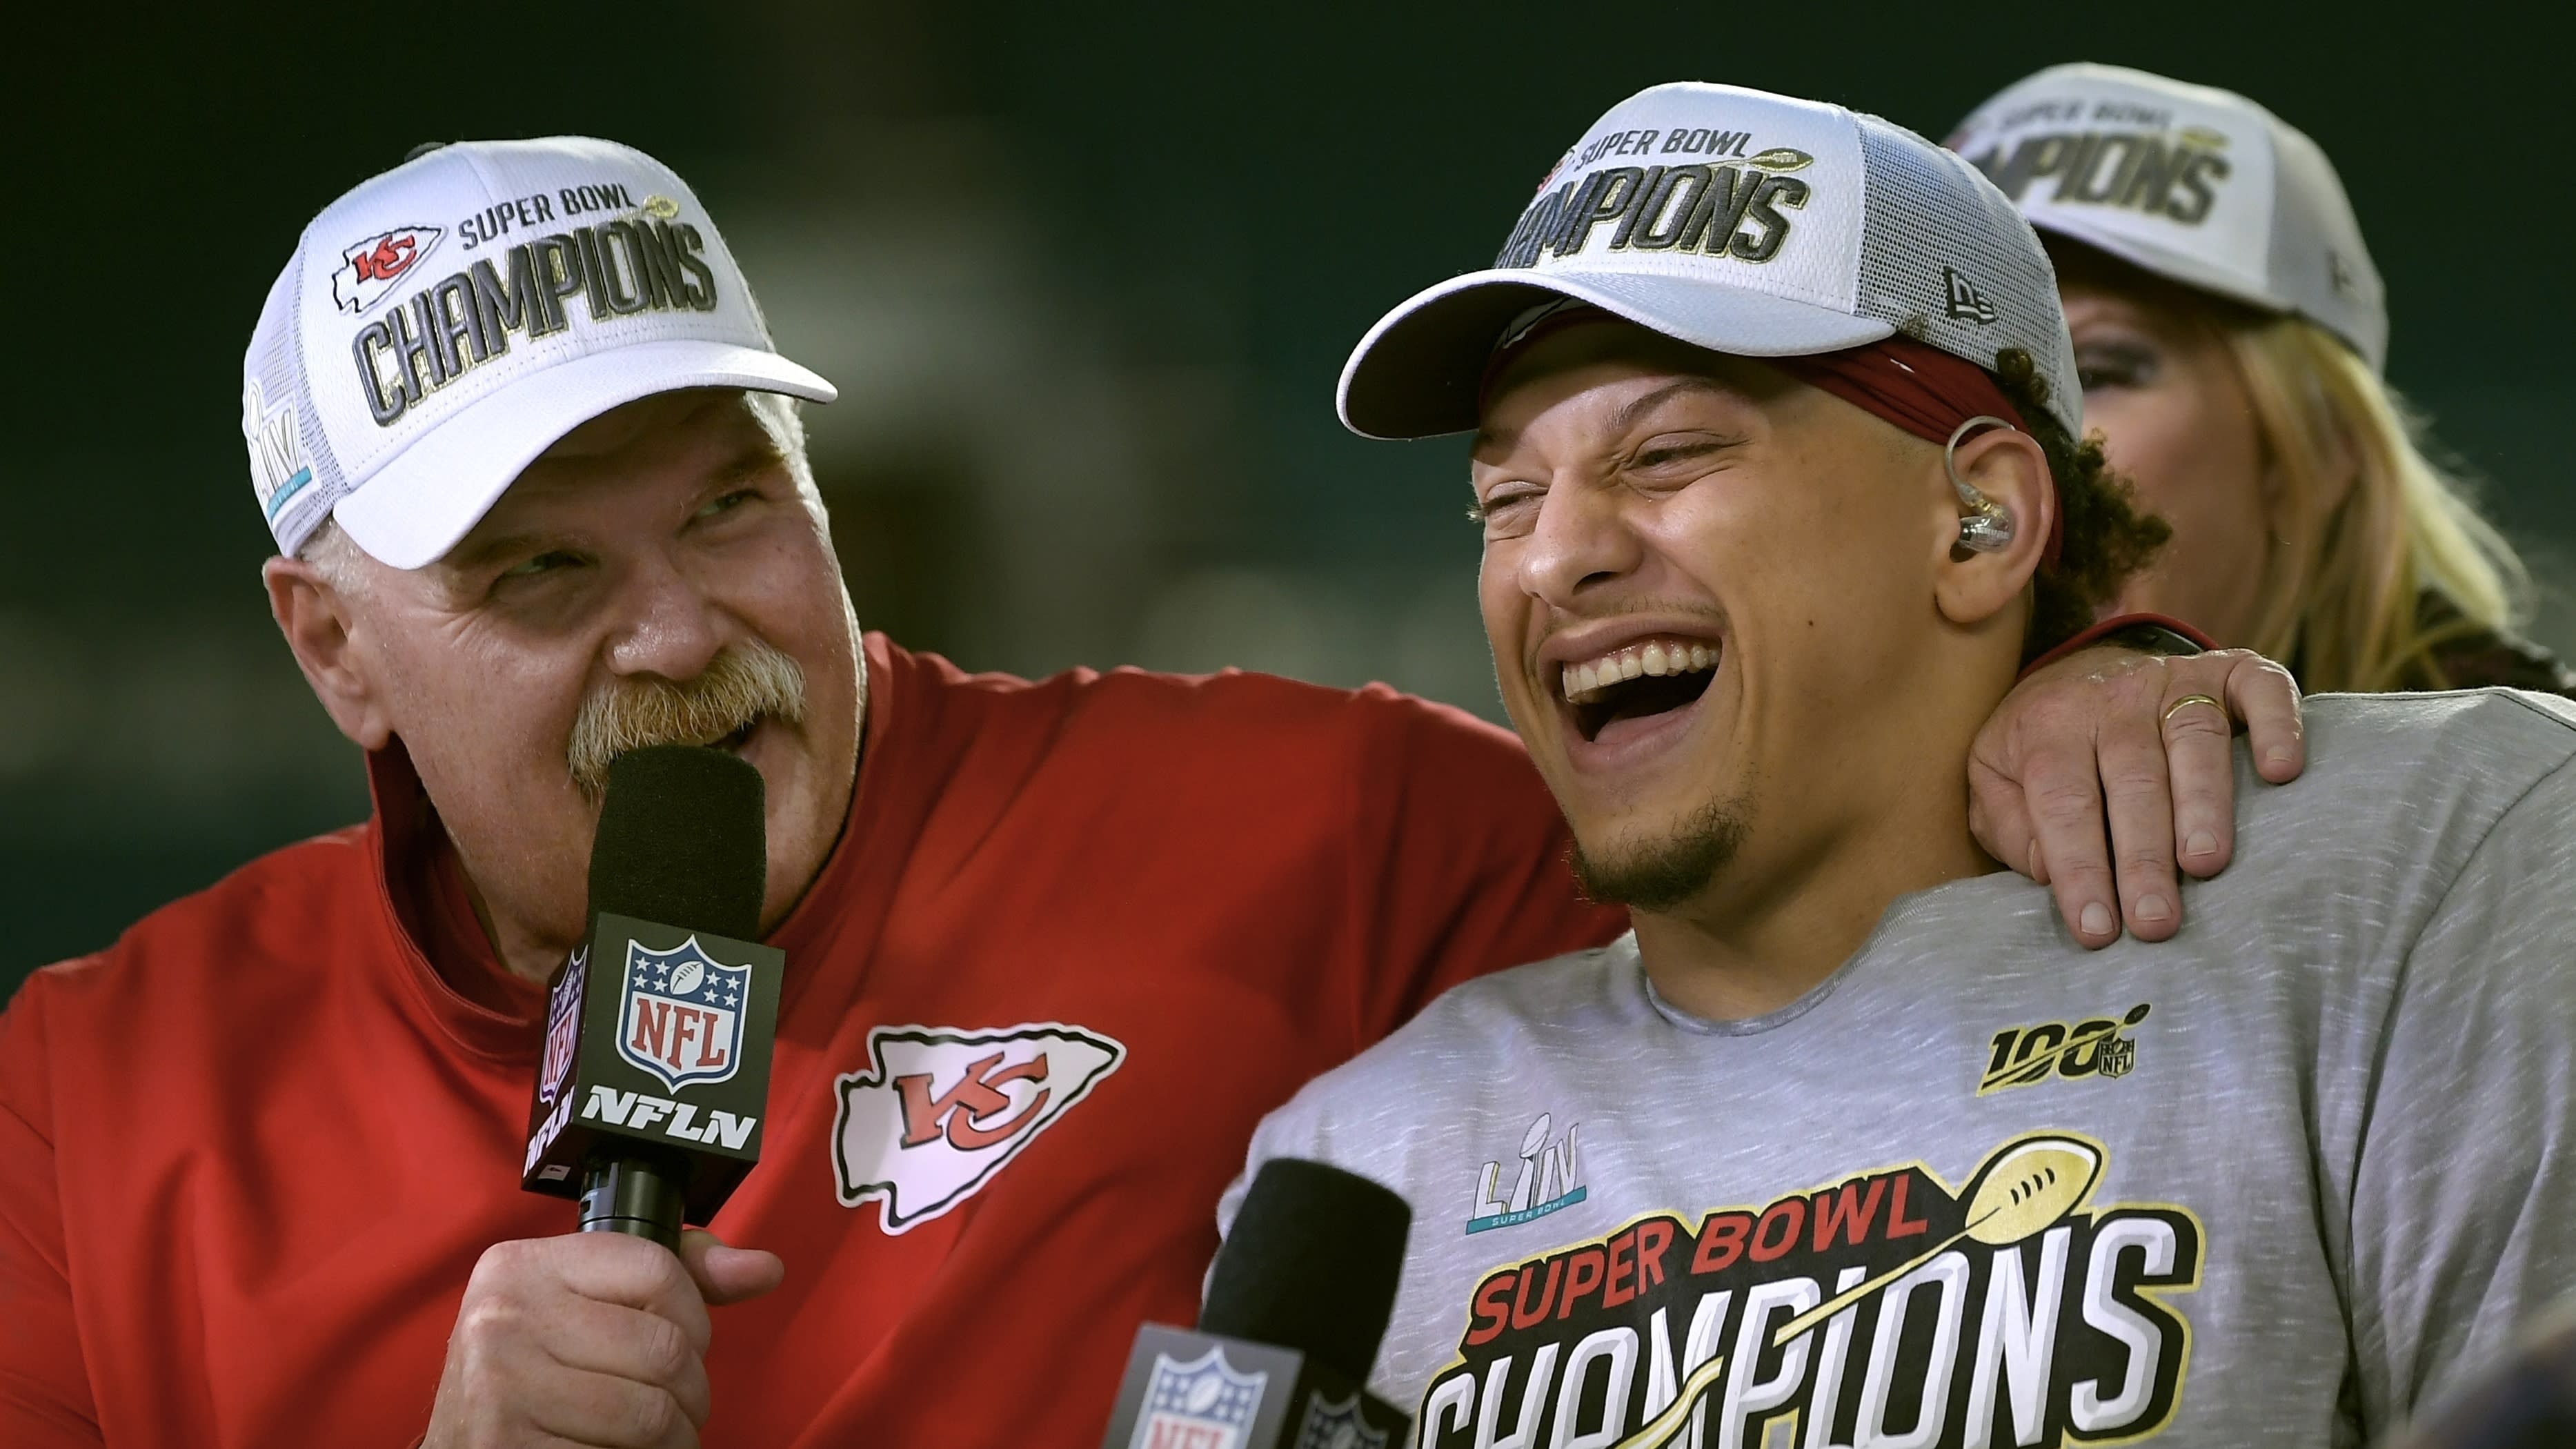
[{"x": 1947, "y": 260}]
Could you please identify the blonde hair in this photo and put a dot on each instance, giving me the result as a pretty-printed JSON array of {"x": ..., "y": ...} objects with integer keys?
[{"x": 2344, "y": 597}]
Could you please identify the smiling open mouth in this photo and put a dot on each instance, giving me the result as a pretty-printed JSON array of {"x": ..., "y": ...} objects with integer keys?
[{"x": 1651, "y": 678}]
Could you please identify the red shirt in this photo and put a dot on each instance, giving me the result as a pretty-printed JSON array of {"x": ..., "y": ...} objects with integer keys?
[{"x": 250, "y": 1153}]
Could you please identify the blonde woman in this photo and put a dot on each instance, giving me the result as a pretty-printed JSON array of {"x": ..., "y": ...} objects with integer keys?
[{"x": 2230, "y": 332}]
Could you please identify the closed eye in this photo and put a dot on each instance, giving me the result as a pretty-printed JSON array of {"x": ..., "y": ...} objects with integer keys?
[
  {"x": 726, "y": 502},
  {"x": 1659, "y": 453},
  {"x": 1503, "y": 502},
  {"x": 1503, "y": 499},
  {"x": 548, "y": 562},
  {"x": 1676, "y": 459}
]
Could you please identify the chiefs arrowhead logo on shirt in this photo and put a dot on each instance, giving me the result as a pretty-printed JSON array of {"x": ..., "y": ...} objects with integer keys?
[{"x": 942, "y": 1109}]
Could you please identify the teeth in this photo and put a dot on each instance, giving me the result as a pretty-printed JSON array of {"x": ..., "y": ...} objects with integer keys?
[{"x": 1659, "y": 657}]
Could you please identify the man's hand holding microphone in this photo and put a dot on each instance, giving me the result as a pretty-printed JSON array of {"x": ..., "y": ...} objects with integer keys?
[
  {"x": 592, "y": 1338},
  {"x": 648, "y": 1109}
]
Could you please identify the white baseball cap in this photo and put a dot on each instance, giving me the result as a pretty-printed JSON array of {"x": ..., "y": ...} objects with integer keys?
[
  {"x": 1741, "y": 222},
  {"x": 2192, "y": 183},
  {"x": 446, "y": 321}
]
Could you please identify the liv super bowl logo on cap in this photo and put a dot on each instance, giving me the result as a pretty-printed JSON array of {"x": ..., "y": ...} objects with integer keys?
[
  {"x": 681, "y": 1017},
  {"x": 277, "y": 468}
]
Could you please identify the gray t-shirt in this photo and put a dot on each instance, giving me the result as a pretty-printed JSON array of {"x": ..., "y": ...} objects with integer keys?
[{"x": 2277, "y": 1180}]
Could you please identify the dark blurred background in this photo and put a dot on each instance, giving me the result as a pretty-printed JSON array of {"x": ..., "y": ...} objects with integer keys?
[{"x": 1085, "y": 276}]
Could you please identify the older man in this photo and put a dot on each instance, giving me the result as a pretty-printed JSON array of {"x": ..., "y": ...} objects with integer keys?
[
  {"x": 1053, "y": 947},
  {"x": 1846, "y": 1143}
]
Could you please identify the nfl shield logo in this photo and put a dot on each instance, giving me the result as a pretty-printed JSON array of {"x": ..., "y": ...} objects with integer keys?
[
  {"x": 681, "y": 1017},
  {"x": 1337, "y": 1426},
  {"x": 1202, "y": 1404},
  {"x": 563, "y": 1027}
]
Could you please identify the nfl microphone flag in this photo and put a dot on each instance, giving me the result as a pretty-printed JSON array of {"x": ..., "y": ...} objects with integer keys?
[
  {"x": 658, "y": 1032},
  {"x": 674, "y": 1055}
]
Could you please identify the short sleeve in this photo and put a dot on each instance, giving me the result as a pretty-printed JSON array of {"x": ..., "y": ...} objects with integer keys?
[
  {"x": 1288, "y": 1132},
  {"x": 2460, "y": 1220},
  {"x": 1462, "y": 866},
  {"x": 1300, "y": 1129},
  {"x": 44, "y": 1385}
]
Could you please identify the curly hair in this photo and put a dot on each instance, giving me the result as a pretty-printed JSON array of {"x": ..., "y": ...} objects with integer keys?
[{"x": 2106, "y": 537}]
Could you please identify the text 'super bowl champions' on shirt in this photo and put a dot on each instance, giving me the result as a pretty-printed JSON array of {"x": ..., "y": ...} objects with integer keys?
[
  {"x": 2272, "y": 1182},
  {"x": 1078, "y": 937}
]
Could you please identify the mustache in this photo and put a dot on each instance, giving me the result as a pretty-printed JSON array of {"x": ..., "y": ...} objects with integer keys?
[{"x": 740, "y": 685}]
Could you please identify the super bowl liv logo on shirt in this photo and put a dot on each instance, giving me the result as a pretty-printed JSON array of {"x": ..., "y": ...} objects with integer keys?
[
  {"x": 1549, "y": 1177},
  {"x": 1700, "y": 193},
  {"x": 2121, "y": 155},
  {"x": 1881, "y": 1309}
]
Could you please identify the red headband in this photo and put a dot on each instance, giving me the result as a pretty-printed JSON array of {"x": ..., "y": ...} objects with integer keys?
[
  {"x": 1916, "y": 386},
  {"x": 1920, "y": 388}
]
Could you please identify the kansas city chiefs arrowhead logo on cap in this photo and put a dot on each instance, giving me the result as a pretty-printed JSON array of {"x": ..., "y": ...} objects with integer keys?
[{"x": 369, "y": 268}]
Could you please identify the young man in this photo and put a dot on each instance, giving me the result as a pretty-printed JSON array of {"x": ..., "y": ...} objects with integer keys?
[
  {"x": 1053, "y": 947},
  {"x": 1848, "y": 1143}
]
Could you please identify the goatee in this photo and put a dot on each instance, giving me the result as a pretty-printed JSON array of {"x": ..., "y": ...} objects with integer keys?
[{"x": 1659, "y": 875}]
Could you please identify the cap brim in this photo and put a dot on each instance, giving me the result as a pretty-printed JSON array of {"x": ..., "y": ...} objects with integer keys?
[
  {"x": 1416, "y": 373},
  {"x": 2175, "y": 266},
  {"x": 416, "y": 506}
]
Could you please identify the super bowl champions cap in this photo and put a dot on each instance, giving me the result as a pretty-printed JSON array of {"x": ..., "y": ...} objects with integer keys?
[
  {"x": 1742, "y": 222},
  {"x": 445, "y": 322},
  {"x": 2195, "y": 184}
]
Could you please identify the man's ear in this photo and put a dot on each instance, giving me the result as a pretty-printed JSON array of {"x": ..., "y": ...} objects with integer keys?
[
  {"x": 317, "y": 622},
  {"x": 2009, "y": 468}
]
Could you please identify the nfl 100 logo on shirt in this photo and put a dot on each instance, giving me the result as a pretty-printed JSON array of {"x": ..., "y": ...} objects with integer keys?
[{"x": 681, "y": 1016}]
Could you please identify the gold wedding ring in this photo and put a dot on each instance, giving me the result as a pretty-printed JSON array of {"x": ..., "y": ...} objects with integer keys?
[{"x": 2191, "y": 699}]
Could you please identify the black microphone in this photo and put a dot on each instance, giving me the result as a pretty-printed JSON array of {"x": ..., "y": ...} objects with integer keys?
[
  {"x": 1296, "y": 1306},
  {"x": 656, "y": 1072}
]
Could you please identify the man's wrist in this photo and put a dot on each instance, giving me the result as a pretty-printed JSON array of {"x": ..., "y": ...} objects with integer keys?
[{"x": 2158, "y": 634}]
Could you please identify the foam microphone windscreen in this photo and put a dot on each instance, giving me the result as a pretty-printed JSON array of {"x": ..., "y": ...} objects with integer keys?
[
  {"x": 1312, "y": 1264},
  {"x": 682, "y": 841}
]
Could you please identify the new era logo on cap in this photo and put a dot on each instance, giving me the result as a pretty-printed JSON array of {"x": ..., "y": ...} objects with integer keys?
[
  {"x": 445, "y": 322},
  {"x": 2192, "y": 183},
  {"x": 1742, "y": 222}
]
